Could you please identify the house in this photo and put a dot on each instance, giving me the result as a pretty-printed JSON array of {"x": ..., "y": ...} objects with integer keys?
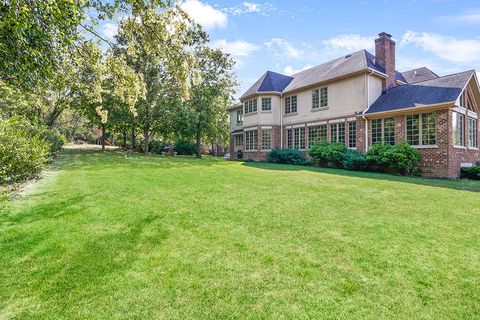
[{"x": 361, "y": 99}]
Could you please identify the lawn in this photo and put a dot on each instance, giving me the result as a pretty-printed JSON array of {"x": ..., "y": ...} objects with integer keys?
[{"x": 108, "y": 236}]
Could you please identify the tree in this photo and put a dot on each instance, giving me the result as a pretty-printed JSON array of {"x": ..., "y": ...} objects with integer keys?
[
  {"x": 211, "y": 96},
  {"x": 158, "y": 45},
  {"x": 34, "y": 33}
]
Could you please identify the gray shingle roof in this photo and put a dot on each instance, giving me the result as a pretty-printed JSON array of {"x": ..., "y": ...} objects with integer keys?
[
  {"x": 269, "y": 82},
  {"x": 418, "y": 75},
  {"x": 433, "y": 91}
]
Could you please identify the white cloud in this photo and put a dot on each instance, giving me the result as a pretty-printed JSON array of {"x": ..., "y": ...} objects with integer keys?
[
  {"x": 239, "y": 48},
  {"x": 250, "y": 7},
  {"x": 448, "y": 48},
  {"x": 204, "y": 14},
  {"x": 289, "y": 70},
  {"x": 352, "y": 42},
  {"x": 470, "y": 17},
  {"x": 109, "y": 30},
  {"x": 282, "y": 48}
]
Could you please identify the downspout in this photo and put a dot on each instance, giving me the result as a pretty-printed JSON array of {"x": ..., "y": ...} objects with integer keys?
[{"x": 281, "y": 120}]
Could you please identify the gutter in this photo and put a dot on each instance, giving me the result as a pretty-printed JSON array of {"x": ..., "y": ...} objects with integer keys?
[{"x": 281, "y": 121}]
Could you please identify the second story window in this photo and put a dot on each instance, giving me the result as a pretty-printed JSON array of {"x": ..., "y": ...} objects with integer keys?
[
  {"x": 320, "y": 98},
  {"x": 291, "y": 104},
  {"x": 266, "y": 104},
  {"x": 250, "y": 106},
  {"x": 239, "y": 116}
]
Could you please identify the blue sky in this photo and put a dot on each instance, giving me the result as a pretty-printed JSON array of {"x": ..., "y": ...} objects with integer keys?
[{"x": 288, "y": 36}]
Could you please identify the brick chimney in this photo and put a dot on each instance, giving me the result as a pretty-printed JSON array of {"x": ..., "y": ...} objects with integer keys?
[{"x": 385, "y": 57}]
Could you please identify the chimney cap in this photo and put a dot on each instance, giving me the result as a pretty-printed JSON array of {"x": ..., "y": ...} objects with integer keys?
[{"x": 384, "y": 34}]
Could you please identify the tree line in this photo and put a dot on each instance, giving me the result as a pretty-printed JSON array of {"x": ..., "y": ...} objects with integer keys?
[{"x": 158, "y": 78}]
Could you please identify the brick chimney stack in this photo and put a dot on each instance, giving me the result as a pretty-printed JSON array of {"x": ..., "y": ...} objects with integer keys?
[{"x": 385, "y": 57}]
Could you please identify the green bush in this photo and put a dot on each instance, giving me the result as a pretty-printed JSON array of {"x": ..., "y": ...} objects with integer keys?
[
  {"x": 289, "y": 156},
  {"x": 55, "y": 140},
  {"x": 354, "y": 160},
  {"x": 404, "y": 159},
  {"x": 375, "y": 157},
  {"x": 155, "y": 146},
  {"x": 185, "y": 148},
  {"x": 471, "y": 172},
  {"x": 23, "y": 153},
  {"x": 327, "y": 154}
]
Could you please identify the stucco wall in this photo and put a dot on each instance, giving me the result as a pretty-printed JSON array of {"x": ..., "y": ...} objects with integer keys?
[{"x": 345, "y": 97}]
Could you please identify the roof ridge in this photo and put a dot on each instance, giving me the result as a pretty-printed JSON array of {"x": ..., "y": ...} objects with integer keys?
[{"x": 447, "y": 75}]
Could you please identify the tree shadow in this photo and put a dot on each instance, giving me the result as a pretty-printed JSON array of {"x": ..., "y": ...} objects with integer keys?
[{"x": 462, "y": 185}]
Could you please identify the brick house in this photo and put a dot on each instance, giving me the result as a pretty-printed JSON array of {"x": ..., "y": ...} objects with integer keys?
[{"x": 360, "y": 99}]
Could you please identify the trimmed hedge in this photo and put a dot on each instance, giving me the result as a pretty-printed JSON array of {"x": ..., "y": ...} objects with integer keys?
[
  {"x": 288, "y": 156},
  {"x": 471, "y": 172},
  {"x": 185, "y": 148},
  {"x": 326, "y": 154}
]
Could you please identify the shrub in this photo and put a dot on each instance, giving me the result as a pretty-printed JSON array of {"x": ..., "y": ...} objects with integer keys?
[
  {"x": 375, "y": 157},
  {"x": 289, "y": 156},
  {"x": 327, "y": 154},
  {"x": 354, "y": 160},
  {"x": 155, "y": 146},
  {"x": 55, "y": 140},
  {"x": 471, "y": 172},
  {"x": 23, "y": 153},
  {"x": 403, "y": 158},
  {"x": 185, "y": 148}
]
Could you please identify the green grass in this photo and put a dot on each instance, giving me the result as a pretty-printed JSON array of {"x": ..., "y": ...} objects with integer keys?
[{"x": 104, "y": 236}]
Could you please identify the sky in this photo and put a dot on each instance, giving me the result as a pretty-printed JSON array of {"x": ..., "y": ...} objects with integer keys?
[{"x": 289, "y": 36}]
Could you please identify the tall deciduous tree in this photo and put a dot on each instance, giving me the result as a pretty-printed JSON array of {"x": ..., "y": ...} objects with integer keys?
[{"x": 159, "y": 46}]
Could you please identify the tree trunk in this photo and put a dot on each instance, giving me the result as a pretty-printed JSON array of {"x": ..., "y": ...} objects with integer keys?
[
  {"x": 146, "y": 139},
  {"x": 103, "y": 137},
  {"x": 198, "y": 138},
  {"x": 134, "y": 140}
]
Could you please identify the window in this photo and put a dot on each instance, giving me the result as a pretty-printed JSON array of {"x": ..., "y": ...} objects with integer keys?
[
  {"x": 296, "y": 138},
  {"x": 352, "y": 134},
  {"x": 251, "y": 140},
  {"x": 266, "y": 139},
  {"x": 266, "y": 104},
  {"x": 472, "y": 133},
  {"x": 291, "y": 104},
  {"x": 337, "y": 132},
  {"x": 319, "y": 98},
  {"x": 429, "y": 131},
  {"x": 333, "y": 132},
  {"x": 458, "y": 129},
  {"x": 316, "y": 134},
  {"x": 238, "y": 140},
  {"x": 421, "y": 129},
  {"x": 240, "y": 117},
  {"x": 383, "y": 130},
  {"x": 250, "y": 106}
]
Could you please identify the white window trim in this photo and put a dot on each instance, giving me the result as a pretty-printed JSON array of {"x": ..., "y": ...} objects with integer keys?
[{"x": 420, "y": 132}]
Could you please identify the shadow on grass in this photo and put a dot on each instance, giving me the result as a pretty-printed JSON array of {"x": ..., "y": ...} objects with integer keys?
[{"x": 463, "y": 185}]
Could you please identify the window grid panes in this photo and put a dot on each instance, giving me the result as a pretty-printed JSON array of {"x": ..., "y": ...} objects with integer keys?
[
  {"x": 341, "y": 132},
  {"x": 238, "y": 140},
  {"x": 240, "y": 117},
  {"x": 389, "y": 131},
  {"x": 376, "y": 131},
  {"x": 289, "y": 138},
  {"x": 250, "y": 106},
  {"x": 266, "y": 139},
  {"x": 266, "y": 104},
  {"x": 352, "y": 134},
  {"x": 290, "y": 104},
  {"x": 413, "y": 129},
  {"x": 458, "y": 129},
  {"x": 472, "y": 133},
  {"x": 333, "y": 132},
  {"x": 299, "y": 138},
  {"x": 251, "y": 140},
  {"x": 315, "y": 99},
  {"x": 429, "y": 131},
  {"x": 317, "y": 134},
  {"x": 323, "y": 97}
]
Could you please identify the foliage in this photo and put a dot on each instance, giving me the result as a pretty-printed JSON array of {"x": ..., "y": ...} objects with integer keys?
[
  {"x": 327, "y": 154},
  {"x": 288, "y": 156},
  {"x": 472, "y": 173},
  {"x": 400, "y": 158},
  {"x": 354, "y": 160},
  {"x": 156, "y": 146},
  {"x": 403, "y": 158},
  {"x": 54, "y": 139},
  {"x": 23, "y": 151},
  {"x": 185, "y": 148}
]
